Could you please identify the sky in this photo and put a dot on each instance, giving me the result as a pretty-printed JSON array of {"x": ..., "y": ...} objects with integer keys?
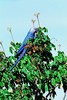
[{"x": 18, "y": 14}]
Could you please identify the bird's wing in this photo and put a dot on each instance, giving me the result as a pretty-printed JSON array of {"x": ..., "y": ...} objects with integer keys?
[
  {"x": 20, "y": 50},
  {"x": 29, "y": 35}
]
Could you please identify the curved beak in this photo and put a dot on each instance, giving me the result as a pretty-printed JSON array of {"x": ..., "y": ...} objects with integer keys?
[{"x": 36, "y": 33}]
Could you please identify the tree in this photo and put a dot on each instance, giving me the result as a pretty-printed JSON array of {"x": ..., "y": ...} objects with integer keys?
[{"x": 38, "y": 71}]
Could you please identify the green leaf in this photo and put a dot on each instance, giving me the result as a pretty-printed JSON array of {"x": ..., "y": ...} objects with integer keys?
[
  {"x": 39, "y": 86},
  {"x": 48, "y": 73},
  {"x": 11, "y": 50},
  {"x": 45, "y": 29},
  {"x": 2, "y": 84},
  {"x": 60, "y": 67},
  {"x": 59, "y": 76},
  {"x": 9, "y": 98},
  {"x": 53, "y": 82},
  {"x": 13, "y": 44},
  {"x": 4, "y": 92},
  {"x": 25, "y": 98},
  {"x": 17, "y": 92},
  {"x": 46, "y": 87}
]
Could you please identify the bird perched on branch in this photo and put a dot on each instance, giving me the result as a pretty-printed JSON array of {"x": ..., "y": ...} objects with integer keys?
[{"x": 22, "y": 50}]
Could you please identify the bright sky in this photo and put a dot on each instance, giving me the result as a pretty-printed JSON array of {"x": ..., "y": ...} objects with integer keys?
[{"x": 18, "y": 14}]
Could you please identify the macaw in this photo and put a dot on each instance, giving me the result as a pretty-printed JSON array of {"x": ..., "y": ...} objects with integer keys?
[{"x": 22, "y": 50}]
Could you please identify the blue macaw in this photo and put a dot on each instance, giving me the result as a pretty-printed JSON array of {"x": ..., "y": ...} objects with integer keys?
[{"x": 22, "y": 50}]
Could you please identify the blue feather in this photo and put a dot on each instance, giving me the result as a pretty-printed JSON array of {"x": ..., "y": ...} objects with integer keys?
[
  {"x": 22, "y": 50},
  {"x": 17, "y": 61}
]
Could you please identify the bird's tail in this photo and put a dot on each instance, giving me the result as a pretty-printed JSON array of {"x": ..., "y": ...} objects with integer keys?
[
  {"x": 20, "y": 50},
  {"x": 17, "y": 61}
]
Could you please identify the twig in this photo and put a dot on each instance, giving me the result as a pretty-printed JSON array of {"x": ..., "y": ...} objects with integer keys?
[
  {"x": 33, "y": 21},
  {"x": 51, "y": 92},
  {"x": 37, "y": 16},
  {"x": 10, "y": 31},
  {"x": 2, "y": 48},
  {"x": 64, "y": 96},
  {"x": 59, "y": 45}
]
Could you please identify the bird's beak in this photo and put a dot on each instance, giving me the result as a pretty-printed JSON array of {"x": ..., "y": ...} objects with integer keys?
[{"x": 36, "y": 33}]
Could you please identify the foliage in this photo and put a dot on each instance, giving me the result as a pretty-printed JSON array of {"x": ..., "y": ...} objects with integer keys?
[{"x": 36, "y": 73}]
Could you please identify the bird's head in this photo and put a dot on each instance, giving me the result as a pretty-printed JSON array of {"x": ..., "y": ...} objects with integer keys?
[{"x": 34, "y": 31}]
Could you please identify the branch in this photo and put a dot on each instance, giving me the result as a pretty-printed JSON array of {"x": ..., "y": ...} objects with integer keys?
[{"x": 64, "y": 96}]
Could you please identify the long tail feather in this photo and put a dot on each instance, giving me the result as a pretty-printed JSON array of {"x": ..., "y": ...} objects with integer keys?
[
  {"x": 17, "y": 61},
  {"x": 20, "y": 50}
]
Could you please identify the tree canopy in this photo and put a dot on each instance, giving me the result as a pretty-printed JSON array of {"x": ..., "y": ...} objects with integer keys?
[{"x": 38, "y": 71}]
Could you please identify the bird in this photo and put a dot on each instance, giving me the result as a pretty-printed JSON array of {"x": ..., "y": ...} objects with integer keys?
[{"x": 22, "y": 50}]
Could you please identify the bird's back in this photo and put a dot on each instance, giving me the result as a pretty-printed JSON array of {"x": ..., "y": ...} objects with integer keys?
[{"x": 31, "y": 35}]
